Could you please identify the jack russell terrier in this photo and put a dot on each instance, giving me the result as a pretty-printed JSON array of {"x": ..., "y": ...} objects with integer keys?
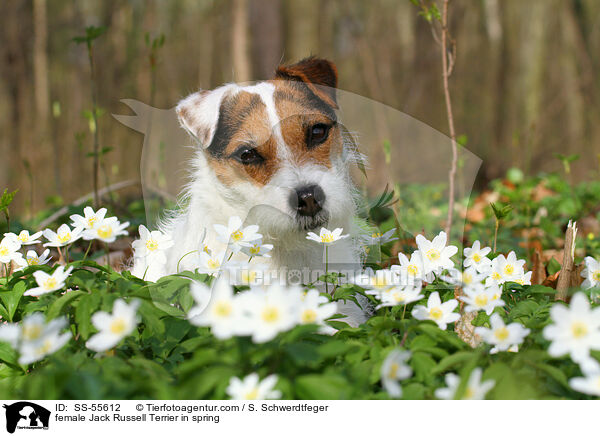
[{"x": 274, "y": 154}]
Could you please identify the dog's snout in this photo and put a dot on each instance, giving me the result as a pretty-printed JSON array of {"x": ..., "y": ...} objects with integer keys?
[{"x": 308, "y": 200}]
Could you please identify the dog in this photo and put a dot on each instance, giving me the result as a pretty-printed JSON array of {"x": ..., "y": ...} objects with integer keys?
[{"x": 274, "y": 154}]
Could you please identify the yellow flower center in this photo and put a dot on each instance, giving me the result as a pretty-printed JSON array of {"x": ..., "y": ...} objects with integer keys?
[
  {"x": 33, "y": 261},
  {"x": 45, "y": 348},
  {"x": 3, "y": 251},
  {"x": 596, "y": 276},
  {"x": 393, "y": 372},
  {"x": 481, "y": 300},
  {"x": 270, "y": 314},
  {"x": 433, "y": 254},
  {"x": 496, "y": 275},
  {"x": 255, "y": 249},
  {"x": 467, "y": 278},
  {"x": 23, "y": 236},
  {"x": 223, "y": 309},
  {"x": 376, "y": 235},
  {"x": 237, "y": 235},
  {"x": 105, "y": 231},
  {"x": 32, "y": 332},
  {"x": 477, "y": 258},
  {"x": 327, "y": 238},
  {"x": 151, "y": 244},
  {"x": 50, "y": 283},
  {"x": 64, "y": 237},
  {"x": 118, "y": 326},
  {"x": 509, "y": 270},
  {"x": 309, "y": 316},
  {"x": 413, "y": 270},
  {"x": 213, "y": 264},
  {"x": 469, "y": 393},
  {"x": 398, "y": 297},
  {"x": 436, "y": 313},
  {"x": 495, "y": 296},
  {"x": 501, "y": 334},
  {"x": 579, "y": 329},
  {"x": 91, "y": 222},
  {"x": 252, "y": 394},
  {"x": 520, "y": 281}
]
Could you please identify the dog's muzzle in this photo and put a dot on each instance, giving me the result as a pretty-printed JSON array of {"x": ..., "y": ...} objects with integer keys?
[{"x": 307, "y": 202}]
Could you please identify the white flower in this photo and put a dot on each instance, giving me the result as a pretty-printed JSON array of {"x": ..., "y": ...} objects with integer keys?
[
  {"x": 575, "y": 329},
  {"x": 476, "y": 390},
  {"x": 113, "y": 327},
  {"x": 468, "y": 277},
  {"x": 400, "y": 296},
  {"x": 218, "y": 309},
  {"x": 591, "y": 273},
  {"x": 257, "y": 248},
  {"x": 436, "y": 255},
  {"x": 411, "y": 271},
  {"x": 479, "y": 297},
  {"x": 270, "y": 311},
  {"x": 211, "y": 263},
  {"x": 436, "y": 311},
  {"x": 377, "y": 282},
  {"x": 477, "y": 257},
  {"x": 236, "y": 235},
  {"x": 33, "y": 258},
  {"x": 251, "y": 389},
  {"x": 49, "y": 282},
  {"x": 49, "y": 341},
  {"x": 33, "y": 338},
  {"x": 327, "y": 237},
  {"x": 106, "y": 230},
  {"x": 379, "y": 238},
  {"x": 502, "y": 336},
  {"x": 152, "y": 245},
  {"x": 25, "y": 238},
  {"x": 506, "y": 269},
  {"x": 63, "y": 236},
  {"x": 394, "y": 369},
  {"x": 315, "y": 308},
  {"x": 9, "y": 250},
  {"x": 90, "y": 219},
  {"x": 589, "y": 384}
]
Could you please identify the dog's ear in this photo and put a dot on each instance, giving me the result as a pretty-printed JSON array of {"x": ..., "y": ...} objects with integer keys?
[
  {"x": 198, "y": 113},
  {"x": 313, "y": 71}
]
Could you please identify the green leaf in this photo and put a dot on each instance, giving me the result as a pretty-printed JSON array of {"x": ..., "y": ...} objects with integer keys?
[
  {"x": 58, "y": 305},
  {"x": 322, "y": 387},
  {"x": 452, "y": 361},
  {"x": 86, "y": 306},
  {"x": 11, "y": 299},
  {"x": 553, "y": 266}
]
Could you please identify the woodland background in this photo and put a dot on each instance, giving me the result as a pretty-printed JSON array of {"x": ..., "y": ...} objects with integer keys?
[{"x": 526, "y": 83}]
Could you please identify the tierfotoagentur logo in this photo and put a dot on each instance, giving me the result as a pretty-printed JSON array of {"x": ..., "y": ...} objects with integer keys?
[{"x": 26, "y": 416}]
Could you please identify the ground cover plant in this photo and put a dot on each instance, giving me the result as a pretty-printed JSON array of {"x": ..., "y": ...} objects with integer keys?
[{"x": 453, "y": 318}]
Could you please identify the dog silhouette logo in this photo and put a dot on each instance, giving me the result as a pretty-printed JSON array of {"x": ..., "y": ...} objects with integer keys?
[{"x": 26, "y": 415}]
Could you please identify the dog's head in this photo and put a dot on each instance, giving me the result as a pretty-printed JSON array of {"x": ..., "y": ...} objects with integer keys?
[{"x": 276, "y": 145}]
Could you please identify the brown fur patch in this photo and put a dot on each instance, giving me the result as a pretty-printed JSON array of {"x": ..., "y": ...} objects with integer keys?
[{"x": 243, "y": 121}]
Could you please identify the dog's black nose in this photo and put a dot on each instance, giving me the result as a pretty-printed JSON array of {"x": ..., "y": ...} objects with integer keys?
[{"x": 308, "y": 200}]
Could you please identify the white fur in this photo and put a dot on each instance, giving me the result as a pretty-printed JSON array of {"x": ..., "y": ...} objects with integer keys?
[{"x": 209, "y": 202}]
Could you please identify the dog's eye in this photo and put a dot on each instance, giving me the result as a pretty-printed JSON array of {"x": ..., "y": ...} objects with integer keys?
[
  {"x": 317, "y": 134},
  {"x": 247, "y": 156}
]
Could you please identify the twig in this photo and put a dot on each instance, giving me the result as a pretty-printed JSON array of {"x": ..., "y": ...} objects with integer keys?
[
  {"x": 564, "y": 278},
  {"x": 446, "y": 74}
]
